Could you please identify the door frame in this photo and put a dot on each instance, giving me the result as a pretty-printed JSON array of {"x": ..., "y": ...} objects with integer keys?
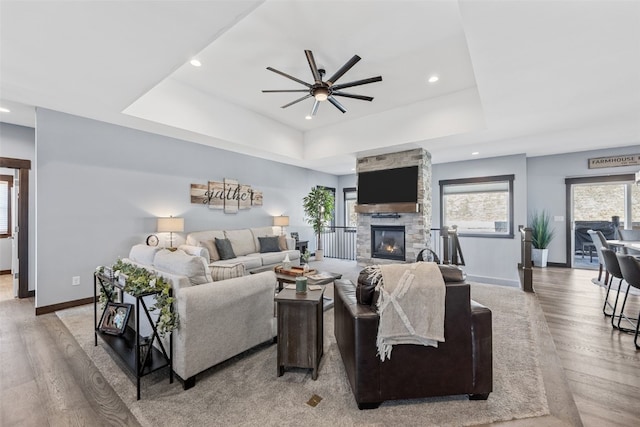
[
  {"x": 23, "y": 167},
  {"x": 569, "y": 182}
]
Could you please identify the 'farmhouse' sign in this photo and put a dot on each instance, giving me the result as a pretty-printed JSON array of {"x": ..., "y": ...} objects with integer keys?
[
  {"x": 228, "y": 195},
  {"x": 613, "y": 161}
]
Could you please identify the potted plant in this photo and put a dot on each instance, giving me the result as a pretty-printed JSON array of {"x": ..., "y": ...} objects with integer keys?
[
  {"x": 541, "y": 236},
  {"x": 318, "y": 209}
]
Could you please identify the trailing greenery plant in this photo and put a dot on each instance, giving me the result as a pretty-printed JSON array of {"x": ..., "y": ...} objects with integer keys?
[
  {"x": 138, "y": 282},
  {"x": 318, "y": 209},
  {"x": 541, "y": 231},
  {"x": 305, "y": 256}
]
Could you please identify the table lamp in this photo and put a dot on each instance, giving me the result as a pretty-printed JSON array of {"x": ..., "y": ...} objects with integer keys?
[
  {"x": 282, "y": 221},
  {"x": 170, "y": 225}
]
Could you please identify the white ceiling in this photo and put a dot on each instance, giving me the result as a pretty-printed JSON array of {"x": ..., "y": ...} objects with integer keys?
[{"x": 515, "y": 76}]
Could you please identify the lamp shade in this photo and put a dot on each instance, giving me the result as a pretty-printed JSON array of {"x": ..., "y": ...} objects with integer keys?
[
  {"x": 170, "y": 225},
  {"x": 281, "y": 221}
]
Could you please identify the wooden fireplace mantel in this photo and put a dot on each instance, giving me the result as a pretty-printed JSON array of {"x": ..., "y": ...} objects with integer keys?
[{"x": 389, "y": 208}]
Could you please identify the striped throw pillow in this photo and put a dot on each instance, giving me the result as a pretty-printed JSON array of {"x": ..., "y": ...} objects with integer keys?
[{"x": 227, "y": 271}]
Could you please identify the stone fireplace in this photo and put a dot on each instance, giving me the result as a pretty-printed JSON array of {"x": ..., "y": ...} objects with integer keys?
[
  {"x": 387, "y": 242},
  {"x": 416, "y": 223}
]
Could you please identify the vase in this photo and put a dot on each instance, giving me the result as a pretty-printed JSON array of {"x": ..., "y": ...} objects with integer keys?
[
  {"x": 319, "y": 254},
  {"x": 286, "y": 262},
  {"x": 539, "y": 257}
]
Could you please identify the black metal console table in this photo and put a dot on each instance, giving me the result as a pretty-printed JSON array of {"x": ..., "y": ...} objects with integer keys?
[{"x": 128, "y": 345}]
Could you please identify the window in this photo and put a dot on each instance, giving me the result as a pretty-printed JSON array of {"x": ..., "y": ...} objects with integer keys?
[
  {"x": 332, "y": 223},
  {"x": 350, "y": 200},
  {"x": 480, "y": 207},
  {"x": 6, "y": 183}
]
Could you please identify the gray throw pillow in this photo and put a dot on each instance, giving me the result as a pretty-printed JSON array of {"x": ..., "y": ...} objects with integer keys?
[
  {"x": 269, "y": 244},
  {"x": 224, "y": 249}
]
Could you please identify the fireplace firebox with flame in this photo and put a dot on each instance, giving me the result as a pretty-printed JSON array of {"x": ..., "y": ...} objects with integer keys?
[{"x": 387, "y": 242}]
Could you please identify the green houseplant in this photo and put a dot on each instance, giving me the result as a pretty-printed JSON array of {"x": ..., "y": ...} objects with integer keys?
[
  {"x": 541, "y": 236},
  {"x": 140, "y": 281},
  {"x": 318, "y": 209}
]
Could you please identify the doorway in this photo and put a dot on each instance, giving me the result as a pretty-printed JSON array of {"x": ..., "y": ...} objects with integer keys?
[
  {"x": 602, "y": 203},
  {"x": 22, "y": 168}
]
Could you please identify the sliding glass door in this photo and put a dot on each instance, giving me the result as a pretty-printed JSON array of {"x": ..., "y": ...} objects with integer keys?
[{"x": 606, "y": 204}]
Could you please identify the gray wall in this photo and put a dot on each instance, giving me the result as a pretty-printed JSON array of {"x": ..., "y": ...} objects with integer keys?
[
  {"x": 491, "y": 260},
  {"x": 101, "y": 187},
  {"x": 546, "y": 188},
  {"x": 18, "y": 142}
]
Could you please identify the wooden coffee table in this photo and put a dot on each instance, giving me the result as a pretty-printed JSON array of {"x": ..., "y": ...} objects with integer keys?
[
  {"x": 300, "y": 330},
  {"x": 316, "y": 278}
]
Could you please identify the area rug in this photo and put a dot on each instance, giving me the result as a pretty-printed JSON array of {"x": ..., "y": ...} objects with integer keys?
[{"x": 245, "y": 390}]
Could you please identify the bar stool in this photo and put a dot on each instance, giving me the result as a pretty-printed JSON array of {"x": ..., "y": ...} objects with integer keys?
[
  {"x": 630, "y": 268},
  {"x": 613, "y": 271},
  {"x": 599, "y": 242}
]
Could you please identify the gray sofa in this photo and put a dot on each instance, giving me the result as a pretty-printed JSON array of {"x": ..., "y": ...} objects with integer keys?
[
  {"x": 217, "y": 320},
  {"x": 246, "y": 246}
]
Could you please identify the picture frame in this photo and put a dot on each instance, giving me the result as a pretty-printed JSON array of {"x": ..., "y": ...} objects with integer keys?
[
  {"x": 114, "y": 318},
  {"x": 295, "y": 236}
]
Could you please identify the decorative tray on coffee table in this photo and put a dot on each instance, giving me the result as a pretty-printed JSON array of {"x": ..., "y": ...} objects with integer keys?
[{"x": 293, "y": 271}]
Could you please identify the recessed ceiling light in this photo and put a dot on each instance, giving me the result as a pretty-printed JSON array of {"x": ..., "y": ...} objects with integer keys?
[
  {"x": 4, "y": 110},
  {"x": 475, "y": 153},
  {"x": 433, "y": 79},
  {"x": 308, "y": 117},
  {"x": 195, "y": 63}
]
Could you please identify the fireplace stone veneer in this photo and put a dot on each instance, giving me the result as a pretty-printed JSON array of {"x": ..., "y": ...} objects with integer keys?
[{"x": 417, "y": 225}]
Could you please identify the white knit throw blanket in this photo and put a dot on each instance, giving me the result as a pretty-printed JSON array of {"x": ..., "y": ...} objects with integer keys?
[{"x": 411, "y": 305}]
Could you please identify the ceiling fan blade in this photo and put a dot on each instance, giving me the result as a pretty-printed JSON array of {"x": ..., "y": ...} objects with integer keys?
[
  {"x": 314, "y": 68},
  {"x": 314, "y": 109},
  {"x": 350, "y": 95},
  {"x": 346, "y": 67},
  {"x": 337, "y": 104},
  {"x": 288, "y": 76},
  {"x": 358, "y": 83},
  {"x": 296, "y": 101},
  {"x": 285, "y": 90}
]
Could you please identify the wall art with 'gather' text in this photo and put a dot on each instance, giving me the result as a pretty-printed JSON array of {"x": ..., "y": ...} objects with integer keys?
[{"x": 229, "y": 195}]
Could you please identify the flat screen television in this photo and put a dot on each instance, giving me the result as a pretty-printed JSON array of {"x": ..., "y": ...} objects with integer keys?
[{"x": 399, "y": 185}]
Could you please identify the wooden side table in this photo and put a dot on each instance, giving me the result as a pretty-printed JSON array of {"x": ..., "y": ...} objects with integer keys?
[{"x": 300, "y": 330}]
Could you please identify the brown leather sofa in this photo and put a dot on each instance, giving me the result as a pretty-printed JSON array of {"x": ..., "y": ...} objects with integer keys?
[{"x": 460, "y": 365}]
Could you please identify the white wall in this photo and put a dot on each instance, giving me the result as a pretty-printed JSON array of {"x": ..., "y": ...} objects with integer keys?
[
  {"x": 18, "y": 142},
  {"x": 546, "y": 188},
  {"x": 100, "y": 188},
  {"x": 490, "y": 260}
]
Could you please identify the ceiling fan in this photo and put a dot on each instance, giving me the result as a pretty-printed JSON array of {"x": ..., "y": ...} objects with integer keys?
[{"x": 325, "y": 90}]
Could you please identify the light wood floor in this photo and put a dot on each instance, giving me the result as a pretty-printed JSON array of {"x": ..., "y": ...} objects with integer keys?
[
  {"x": 47, "y": 380},
  {"x": 602, "y": 365}
]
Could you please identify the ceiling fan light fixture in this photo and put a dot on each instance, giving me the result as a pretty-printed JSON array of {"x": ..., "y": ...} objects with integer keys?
[
  {"x": 195, "y": 62},
  {"x": 433, "y": 79},
  {"x": 322, "y": 90},
  {"x": 308, "y": 117},
  {"x": 321, "y": 94}
]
